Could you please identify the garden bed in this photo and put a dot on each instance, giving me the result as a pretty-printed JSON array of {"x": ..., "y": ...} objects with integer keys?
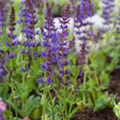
[
  {"x": 106, "y": 114},
  {"x": 115, "y": 84},
  {"x": 65, "y": 68}
]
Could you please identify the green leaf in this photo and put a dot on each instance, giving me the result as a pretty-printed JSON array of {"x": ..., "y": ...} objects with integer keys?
[
  {"x": 31, "y": 104},
  {"x": 117, "y": 110}
]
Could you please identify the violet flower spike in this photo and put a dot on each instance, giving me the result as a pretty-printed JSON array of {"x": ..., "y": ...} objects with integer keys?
[
  {"x": 2, "y": 16},
  {"x": 62, "y": 50},
  {"x": 107, "y": 12},
  {"x": 2, "y": 22},
  {"x": 65, "y": 18},
  {"x": 2, "y": 71},
  {"x": 1, "y": 116},
  {"x": 11, "y": 35},
  {"x": 82, "y": 12},
  {"x": 49, "y": 44},
  {"x": 31, "y": 20},
  {"x": 28, "y": 19},
  {"x": 118, "y": 23},
  {"x": 12, "y": 25}
]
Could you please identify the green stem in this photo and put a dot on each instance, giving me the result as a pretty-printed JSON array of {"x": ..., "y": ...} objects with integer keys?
[
  {"x": 44, "y": 104},
  {"x": 23, "y": 85},
  {"x": 13, "y": 95},
  {"x": 12, "y": 86},
  {"x": 53, "y": 111},
  {"x": 65, "y": 103}
]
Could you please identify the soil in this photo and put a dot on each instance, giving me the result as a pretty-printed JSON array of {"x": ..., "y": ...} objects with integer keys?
[
  {"x": 115, "y": 84},
  {"x": 106, "y": 114}
]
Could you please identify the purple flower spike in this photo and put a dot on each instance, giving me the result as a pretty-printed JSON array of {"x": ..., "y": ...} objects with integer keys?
[
  {"x": 2, "y": 16},
  {"x": 2, "y": 22},
  {"x": 12, "y": 25},
  {"x": 108, "y": 9},
  {"x": 65, "y": 18},
  {"x": 2, "y": 70},
  {"x": 118, "y": 24},
  {"x": 12, "y": 42},
  {"x": 31, "y": 20},
  {"x": 1, "y": 115},
  {"x": 82, "y": 12},
  {"x": 49, "y": 44},
  {"x": 62, "y": 49}
]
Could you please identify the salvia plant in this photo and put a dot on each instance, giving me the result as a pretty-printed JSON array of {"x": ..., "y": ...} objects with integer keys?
[{"x": 42, "y": 77}]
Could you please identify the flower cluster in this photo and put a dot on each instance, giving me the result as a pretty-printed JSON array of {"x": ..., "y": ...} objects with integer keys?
[
  {"x": 12, "y": 25},
  {"x": 2, "y": 12},
  {"x": 3, "y": 20},
  {"x": 11, "y": 35},
  {"x": 3, "y": 108},
  {"x": 118, "y": 22},
  {"x": 23, "y": 13},
  {"x": 28, "y": 19},
  {"x": 108, "y": 9},
  {"x": 31, "y": 20},
  {"x": 26, "y": 118},
  {"x": 55, "y": 44},
  {"x": 86, "y": 8},
  {"x": 1, "y": 116},
  {"x": 83, "y": 11},
  {"x": 49, "y": 43},
  {"x": 2, "y": 71},
  {"x": 2, "y": 68},
  {"x": 65, "y": 18},
  {"x": 2, "y": 24},
  {"x": 62, "y": 50}
]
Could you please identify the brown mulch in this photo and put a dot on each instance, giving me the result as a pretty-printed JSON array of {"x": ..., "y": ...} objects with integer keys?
[
  {"x": 115, "y": 84},
  {"x": 106, "y": 114}
]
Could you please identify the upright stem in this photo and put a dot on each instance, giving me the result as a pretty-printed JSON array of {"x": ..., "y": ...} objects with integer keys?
[
  {"x": 44, "y": 103},
  {"x": 53, "y": 111},
  {"x": 65, "y": 103}
]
